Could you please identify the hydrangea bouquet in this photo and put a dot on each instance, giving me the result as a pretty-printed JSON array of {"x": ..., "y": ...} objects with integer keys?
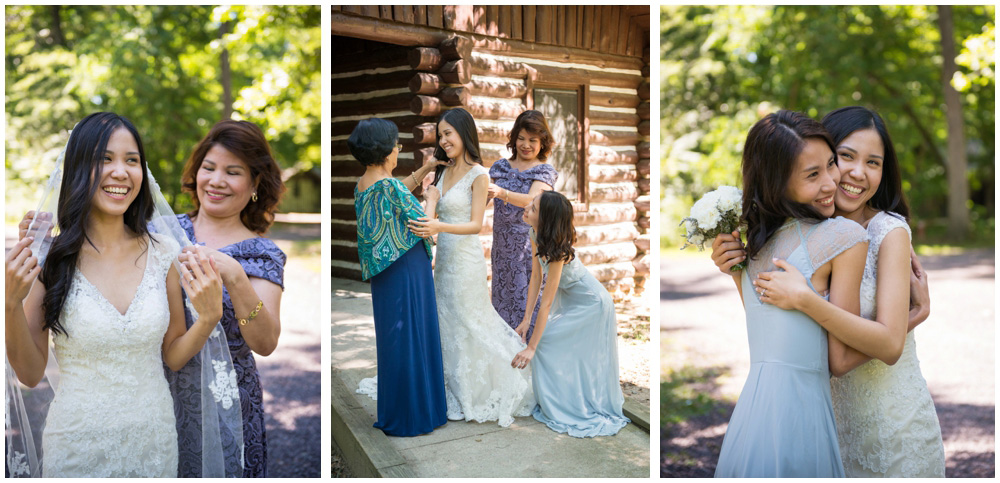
[{"x": 717, "y": 212}]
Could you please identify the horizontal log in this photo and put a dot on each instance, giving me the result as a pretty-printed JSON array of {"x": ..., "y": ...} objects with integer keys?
[
  {"x": 493, "y": 134},
  {"x": 603, "y": 214},
  {"x": 346, "y": 168},
  {"x": 644, "y": 128},
  {"x": 520, "y": 48},
  {"x": 425, "y": 106},
  {"x": 489, "y": 156},
  {"x": 425, "y": 59},
  {"x": 423, "y": 156},
  {"x": 371, "y": 59},
  {"x": 643, "y": 185},
  {"x": 403, "y": 123},
  {"x": 425, "y": 83},
  {"x": 643, "y": 149},
  {"x": 344, "y": 254},
  {"x": 642, "y": 203},
  {"x": 345, "y": 273},
  {"x": 643, "y": 222},
  {"x": 456, "y": 96},
  {"x": 496, "y": 88},
  {"x": 343, "y": 212},
  {"x": 614, "y": 271},
  {"x": 456, "y": 47},
  {"x": 339, "y": 231},
  {"x": 644, "y": 90},
  {"x": 612, "y": 173},
  {"x": 643, "y": 110},
  {"x": 395, "y": 102},
  {"x": 425, "y": 133},
  {"x": 612, "y": 118},
  {"x": 369, "y": 82},
  {"x": 643, "y": 166},
  {"x": 494, "y": 110},
  {"x": 600, "y": 234},
  {"x": 456, "y": 72},
  {"x": 488, "y": 66},
  {"x": 614, "y": 138},
  {"x": 603, "y": 155},
  {"x": 609, "y": 253},
  {"x": 641, "y": 264},
  {"x": 642, "y": 243},
  {"x": 613, "y": 99},
  {"x": 613, "y": 192}
]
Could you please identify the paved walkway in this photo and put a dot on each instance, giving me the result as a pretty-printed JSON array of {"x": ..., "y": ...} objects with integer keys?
[
  {"x": 462, "y": 449},
  {"x": 702, "y": 325}
]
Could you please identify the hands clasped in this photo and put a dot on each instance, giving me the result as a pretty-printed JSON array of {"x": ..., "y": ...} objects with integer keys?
[{"x": 202, "y": 282}]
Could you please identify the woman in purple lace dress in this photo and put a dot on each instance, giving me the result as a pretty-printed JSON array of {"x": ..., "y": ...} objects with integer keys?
[
  {"x": 237, "y": 185},
  {"x": 515, "y": 184}
]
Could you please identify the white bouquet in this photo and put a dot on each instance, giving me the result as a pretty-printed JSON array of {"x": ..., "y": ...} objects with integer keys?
[{"x": 717, "y": 212}]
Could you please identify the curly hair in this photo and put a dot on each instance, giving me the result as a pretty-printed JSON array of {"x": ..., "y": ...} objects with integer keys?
[
  {"x": 533, "y": 122},
  {"x": 556, "y": 235},
  {"x": 246, "y": 141},
  {"x": 769, "y": 154}
]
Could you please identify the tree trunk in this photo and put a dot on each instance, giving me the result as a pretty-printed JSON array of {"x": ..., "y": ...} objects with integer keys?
[
  {"x": 225, "y": 77},
  {"x": 958, "y": 184},
  {"x": 57, "y": 34}
]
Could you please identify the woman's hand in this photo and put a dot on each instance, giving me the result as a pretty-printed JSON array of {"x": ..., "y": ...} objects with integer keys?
[
  {"x": 784, "y": 289},
  {"x": 432, "y": 194},
  {"x": 229, "y": 269},
  {"x": 523, "y": 358},
  {"x": 425, "y": 227},
  {"x": 22, "y": 270},
  {"x": 43, "y": 217},
  {"x": 203, "y": 284},
  {"x": 727, "y": 251},
  {"x": 920, "y": 297},
  {"x": 522, "y": 330},
  {"x": 493, "y": 191}
]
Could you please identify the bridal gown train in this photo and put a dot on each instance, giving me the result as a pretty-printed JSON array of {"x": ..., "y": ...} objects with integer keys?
[
  {"x": 477, "y": 346},
  {"x": 113, "y": 415},
  {"x": 886, "y": 422}
]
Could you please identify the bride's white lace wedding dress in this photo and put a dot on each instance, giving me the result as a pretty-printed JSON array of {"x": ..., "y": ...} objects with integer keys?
[
  {"x": 477, "y": 346},
  {"x": 113, "y": 415},
  {"x": 886, "y": 422}
]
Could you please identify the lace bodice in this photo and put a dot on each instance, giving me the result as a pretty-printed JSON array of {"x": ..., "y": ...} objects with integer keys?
[
  {"x": 455, "y": 205},
  {"x": 886, "y": 421},
  {"x": 112, "y": 414}
]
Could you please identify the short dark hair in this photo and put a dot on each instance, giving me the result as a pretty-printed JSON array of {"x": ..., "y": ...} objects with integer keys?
[
  {"x": 769, "y": 154},
  {"x": 246, "y": 141},
  {"x": 843, "y": 122},
  {"x": 372, "y": 140},
  {"x": 533, "y": 122}
]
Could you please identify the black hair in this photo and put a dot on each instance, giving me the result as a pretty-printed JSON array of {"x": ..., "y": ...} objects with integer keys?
[
  {"x": 373, "y": 140},
  {"x": 769, "y": 154},
  {"x": 556, "y": 235},
  {"x": 82, "y": 169},
  {"x": 465, "y": 125},
  {"x": 841, "y": 123}
]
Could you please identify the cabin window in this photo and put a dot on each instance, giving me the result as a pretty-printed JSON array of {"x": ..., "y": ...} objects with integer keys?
[{"x": 565, "y": 111}]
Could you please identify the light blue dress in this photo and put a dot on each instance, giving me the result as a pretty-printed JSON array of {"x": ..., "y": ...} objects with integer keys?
[
  {"x": 575, "y": 368},
  {"x": 783, "y": 423}
]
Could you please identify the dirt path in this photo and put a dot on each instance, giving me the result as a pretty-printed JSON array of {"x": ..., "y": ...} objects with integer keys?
[{"x": 704, "y": 340}]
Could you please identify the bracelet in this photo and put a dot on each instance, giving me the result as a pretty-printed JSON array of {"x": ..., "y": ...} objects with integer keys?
[
  {"x": 260, "y": 304},
  {"x": 415, "y": 182}
]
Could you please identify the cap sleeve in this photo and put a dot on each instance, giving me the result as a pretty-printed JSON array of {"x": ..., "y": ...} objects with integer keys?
[
  {"x": 500, "y": 168},
  {"x": 543, "y": 172},
  {"x": 261, "y": 258},
  {"x": 831, "y": 238},
  {"x": 883, "y": 223}
]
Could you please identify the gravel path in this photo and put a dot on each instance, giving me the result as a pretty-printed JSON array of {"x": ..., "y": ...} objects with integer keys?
[{"x": 702, "y": 327}]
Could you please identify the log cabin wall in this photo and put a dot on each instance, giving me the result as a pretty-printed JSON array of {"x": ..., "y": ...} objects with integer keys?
[{"x": 410, "y": 63}]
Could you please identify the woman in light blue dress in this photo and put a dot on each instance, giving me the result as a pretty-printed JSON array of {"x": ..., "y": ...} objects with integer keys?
[
  {"x": 783, "y": 424},
  {"x": 573, "y": 351}
]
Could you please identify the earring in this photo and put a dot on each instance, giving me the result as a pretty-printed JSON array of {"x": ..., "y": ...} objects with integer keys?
[{"x": 253, "y": 197}]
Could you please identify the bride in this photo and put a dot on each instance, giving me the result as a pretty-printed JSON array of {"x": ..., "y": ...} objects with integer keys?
[
  {"x": 112, "y": 301},
  {"x": 476, "y": 344}
]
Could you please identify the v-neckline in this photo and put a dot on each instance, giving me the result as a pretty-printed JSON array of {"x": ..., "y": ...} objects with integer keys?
[
  {"x": 145, "y": 271},
  {"x": 456, "y": 182}
]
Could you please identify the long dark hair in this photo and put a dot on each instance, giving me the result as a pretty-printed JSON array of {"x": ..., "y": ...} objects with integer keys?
[
  {"x": 769, "y": 155},
  {"x": 555, "y": 237},
  {"x": 465, "y": 125},
  {"x": 82, "y": 169},
  {"x": 246, "y": 141},
  {"x": 847, "y": 120},
  {"x": 533, "y": 122}
]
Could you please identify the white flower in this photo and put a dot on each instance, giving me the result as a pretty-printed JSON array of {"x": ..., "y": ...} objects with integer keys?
[
  {"x": 705, "y": 213},
  {"x": 697, "y": 240},
  {"x": 224, "y": 387},
  {"x": 730, "y": 199}
]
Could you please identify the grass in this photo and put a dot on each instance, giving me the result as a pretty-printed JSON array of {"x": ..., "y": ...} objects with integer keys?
[{"x": 685, "y": 393}]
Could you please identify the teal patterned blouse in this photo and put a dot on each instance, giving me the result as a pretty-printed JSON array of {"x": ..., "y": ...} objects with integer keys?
[{"x": 383, "y": 210}]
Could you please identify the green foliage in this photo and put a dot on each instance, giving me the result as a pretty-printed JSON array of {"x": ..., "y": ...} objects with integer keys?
[
  {"x": 685, "y": 393},
  {"x": 160, "y": 66},
  {"x": 722, "y": 68}
]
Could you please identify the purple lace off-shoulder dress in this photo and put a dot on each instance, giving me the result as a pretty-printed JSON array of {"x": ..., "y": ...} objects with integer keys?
[
  {"x": 261, "y": 258},
  {"x": 511, "y": 253}
]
